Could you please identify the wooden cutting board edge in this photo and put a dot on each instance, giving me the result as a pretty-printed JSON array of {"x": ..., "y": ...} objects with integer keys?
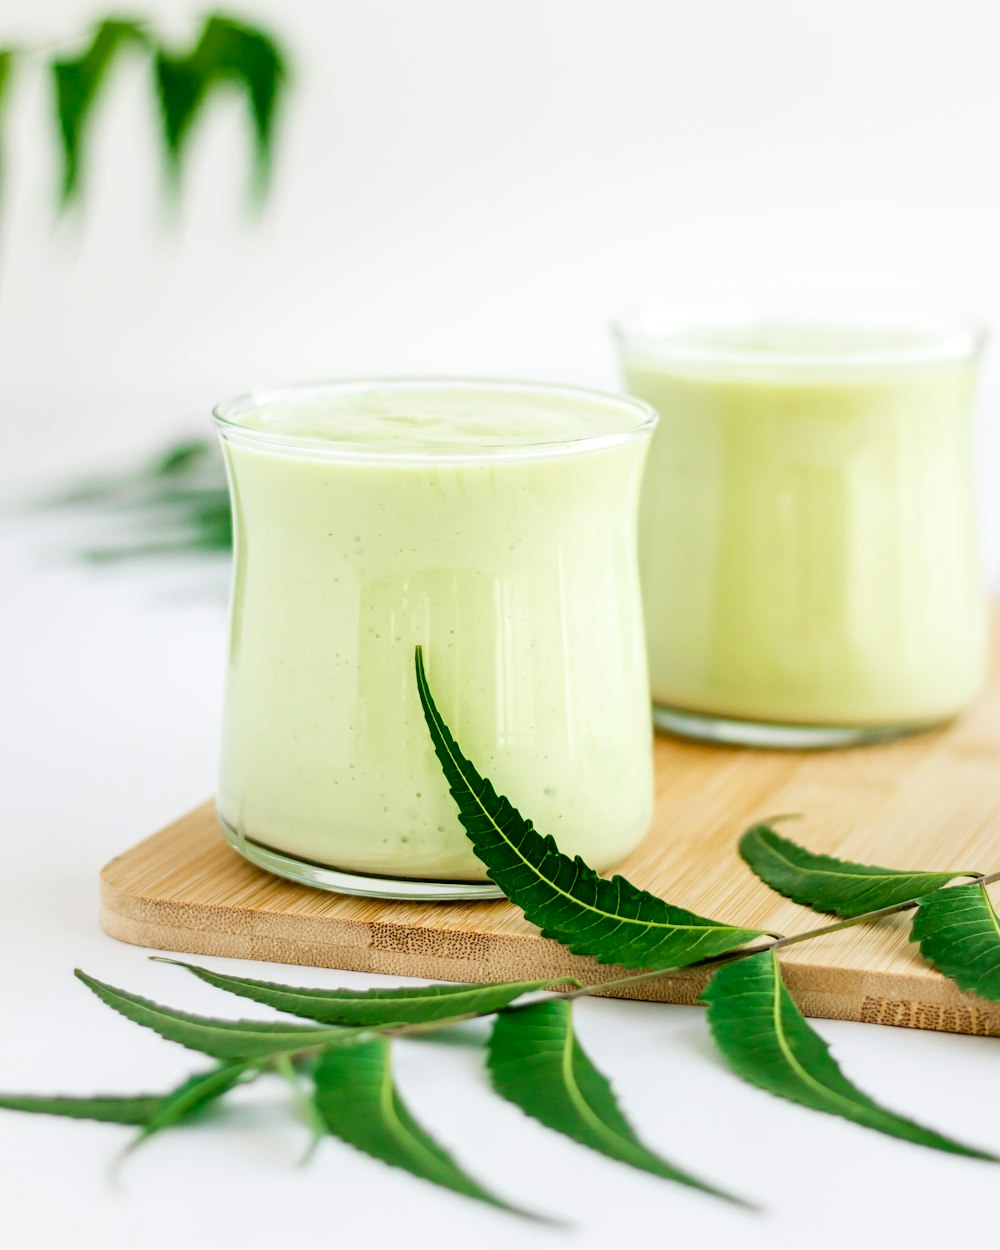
[{"x": 873, "y": 997}]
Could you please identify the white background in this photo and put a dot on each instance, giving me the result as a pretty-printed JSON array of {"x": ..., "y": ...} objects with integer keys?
[{"x": 462, "y": 186}]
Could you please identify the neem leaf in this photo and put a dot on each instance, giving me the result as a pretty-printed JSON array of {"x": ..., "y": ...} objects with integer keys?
[
  {"x": 227, "y": 52},
  {"x": 151, "y": 1112},
  {"x": 77, "y": 82},
  {"x": 765, "y": 1039},
  {"x": 614, "y": 921},
  {"x": 192, "y": 1096},
  {"x": 223, "y": 1039},
  {"x": 358, "y": 1102},
  {"x": 959, "y": 933},
  {"x": 404, "y": 1005},
  {"x": 828, "y": 884},
  {"x": 536, "y": 1063},
  {"x": 109, "y": 1108}
]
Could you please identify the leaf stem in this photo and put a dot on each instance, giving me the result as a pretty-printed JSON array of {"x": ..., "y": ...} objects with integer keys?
[{"x": 601, "y": 987}]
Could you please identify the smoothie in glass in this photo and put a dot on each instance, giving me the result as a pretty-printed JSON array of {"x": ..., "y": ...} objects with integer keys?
[
  {"x": 808, "y": 536},
  {"x": 493, "y": 523}
]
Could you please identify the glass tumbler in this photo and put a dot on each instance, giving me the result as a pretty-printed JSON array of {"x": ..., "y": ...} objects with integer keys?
[
  {"x": 494, "y": 523},
  {"x": 808, "y": 542}
]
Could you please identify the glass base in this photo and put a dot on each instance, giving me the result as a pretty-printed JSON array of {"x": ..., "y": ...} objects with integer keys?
[
  {"x": 772, "y": 736},
  {"x": 321, "y": 877}
]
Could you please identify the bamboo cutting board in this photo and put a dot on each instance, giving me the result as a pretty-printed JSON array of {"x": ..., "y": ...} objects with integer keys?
[{"x": 931, "y": 801}]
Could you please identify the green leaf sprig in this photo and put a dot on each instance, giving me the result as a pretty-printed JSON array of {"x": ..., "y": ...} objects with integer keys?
[
  {"x": 339, "y": 1067},
  {"x": 344, "y": 1069}
]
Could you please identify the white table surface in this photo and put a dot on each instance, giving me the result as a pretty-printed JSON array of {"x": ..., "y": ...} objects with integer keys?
[{"x": 111, "y": 691}]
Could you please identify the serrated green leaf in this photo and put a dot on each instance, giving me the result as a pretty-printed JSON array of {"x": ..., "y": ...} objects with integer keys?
[
  {"x": 828, "y": 884},
  {"x": 400, "y": 1005},
  {"x": 77, "y": 82},
  {"x": 226, "y": 53},
  {"x": 222, "y": 1039},
  {"x": 150, "y": 1112},
  {"x": 536, "y": 1063},
  {"x": 766, "y": 1040},
  {"x": 193, "y": 1095},
  {"x": 614, "y": 921},
  {"x": 357, "y": 1101},
  {"x": 959, "y": 933},
  {"x": 108, "y": 1108}
]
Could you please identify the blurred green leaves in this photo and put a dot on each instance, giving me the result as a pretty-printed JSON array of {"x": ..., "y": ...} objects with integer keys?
[
  {"x": 175, "y": 504},
  {"x": 6, "y": 61},
  {"x": 227, "y": 52},
  {"x": 224, "y": 54},
  {"x": 77, "y": 83}
]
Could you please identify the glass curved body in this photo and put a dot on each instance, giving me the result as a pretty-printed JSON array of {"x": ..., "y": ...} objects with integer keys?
[
  {"x": 493, "y": 523},
  {"x": 808, "y": 542}
]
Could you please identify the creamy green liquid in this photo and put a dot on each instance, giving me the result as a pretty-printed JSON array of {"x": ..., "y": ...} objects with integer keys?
[
  {"x": 444, "y": 519},
  {"x": 807, "y": 534}
]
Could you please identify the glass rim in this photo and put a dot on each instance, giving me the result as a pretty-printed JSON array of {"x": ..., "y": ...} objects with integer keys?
[
  {"x": 227, "y": 413},
  {"x": 940, "y": 331}
]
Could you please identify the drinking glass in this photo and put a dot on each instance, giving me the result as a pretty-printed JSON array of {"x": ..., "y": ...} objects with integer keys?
[
  {"x": 808, "y": 546},
  {"x": 494, "y": 524}
]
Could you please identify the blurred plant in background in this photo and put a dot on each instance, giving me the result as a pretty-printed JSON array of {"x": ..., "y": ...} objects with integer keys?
[
  {"x": 225, "y": 53},
  {"x": 179, "y": 502},
  {"x": 175, "y": 504}
]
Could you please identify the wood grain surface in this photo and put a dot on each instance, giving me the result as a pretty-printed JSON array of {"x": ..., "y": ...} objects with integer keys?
[{"x": 930, "y": 801}]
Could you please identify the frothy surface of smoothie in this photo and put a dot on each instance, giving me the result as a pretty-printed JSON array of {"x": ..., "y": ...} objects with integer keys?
[
  {"x": 498, "y": 531},
  {"x": 426, "y": 424}
]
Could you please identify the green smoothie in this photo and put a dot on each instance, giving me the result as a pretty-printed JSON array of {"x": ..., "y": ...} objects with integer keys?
[
  {"x": 808, "y": 533},
  {"x": 494, "y": 525}
]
